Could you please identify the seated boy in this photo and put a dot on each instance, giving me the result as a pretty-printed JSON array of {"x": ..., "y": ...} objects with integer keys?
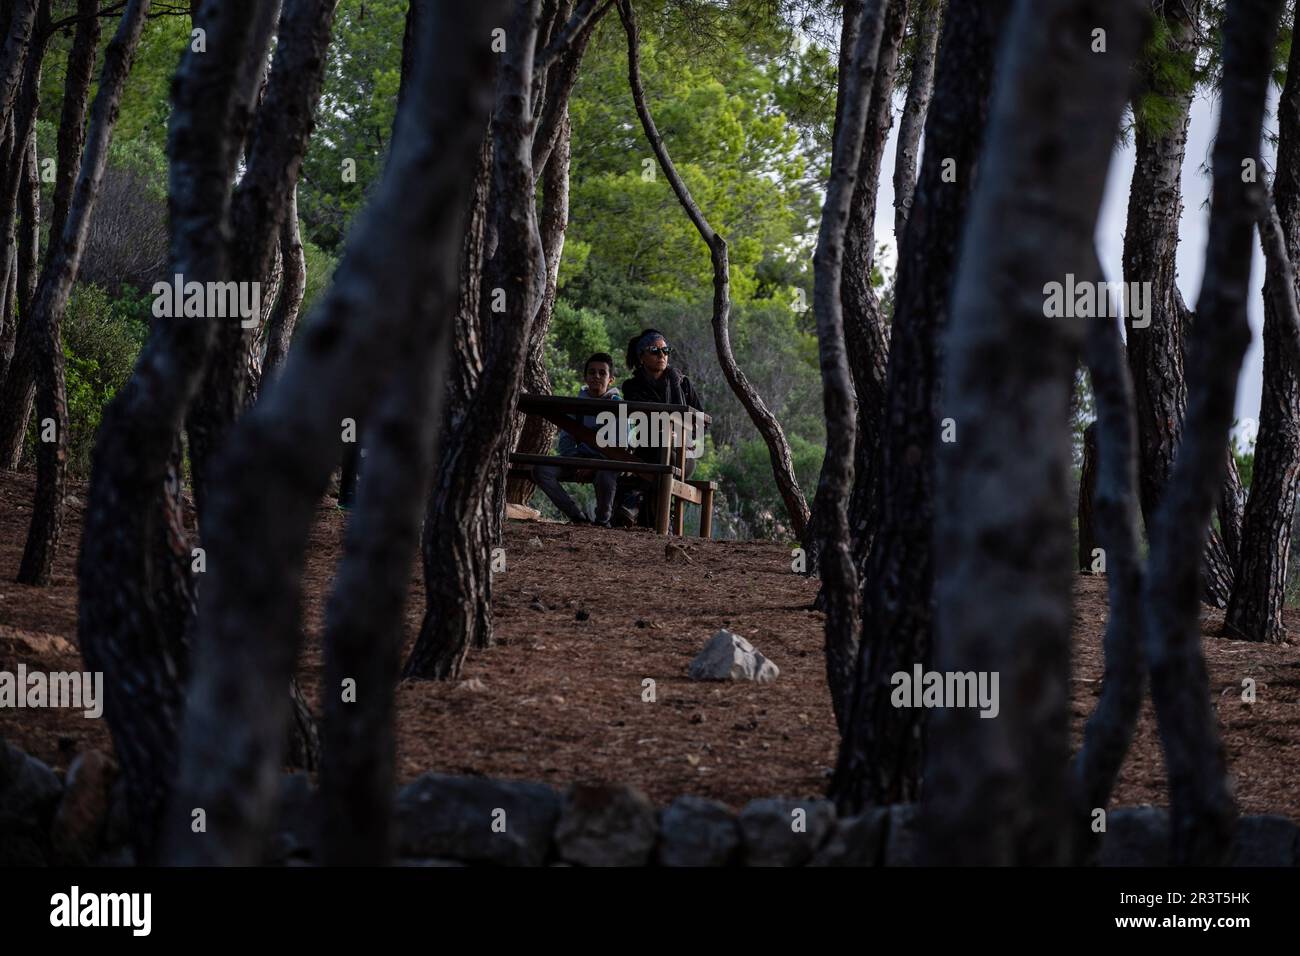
[{"x": 598, "y": 373}]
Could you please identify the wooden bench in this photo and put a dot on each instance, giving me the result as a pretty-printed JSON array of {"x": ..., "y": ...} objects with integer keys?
[{"x": 665, "y": 475}]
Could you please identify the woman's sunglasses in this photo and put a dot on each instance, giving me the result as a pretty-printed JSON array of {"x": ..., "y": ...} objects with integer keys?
[{"x": 656, "y": 350}]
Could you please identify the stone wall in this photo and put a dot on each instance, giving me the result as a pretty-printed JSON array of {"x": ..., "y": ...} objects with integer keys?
[{"x": 453, "y": 821}]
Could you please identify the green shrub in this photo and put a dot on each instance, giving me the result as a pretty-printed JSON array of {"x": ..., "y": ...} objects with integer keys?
[
  {"x": 101, "y": 339},
  {"x": 320, "y": 272}
]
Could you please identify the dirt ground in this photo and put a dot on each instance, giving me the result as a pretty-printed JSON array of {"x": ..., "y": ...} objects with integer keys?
[{"x": 584, "y": 615}]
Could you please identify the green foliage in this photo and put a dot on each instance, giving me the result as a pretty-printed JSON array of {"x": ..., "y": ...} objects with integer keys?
[
  {"x": 146, "y": 103},
  {"x": 320, "y": 272},
  {"x": 1169, "y": 74},
  {"x": 746, "y": 471},
  {"x": 101, "y": 339},
  {"x": 739, "y": 154},
  {"x": 577, "y": 333},
  {"x": 355, "y": 118}
]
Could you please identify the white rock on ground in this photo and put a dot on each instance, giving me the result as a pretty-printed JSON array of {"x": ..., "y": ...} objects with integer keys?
[{"x": 729, "y": 656}]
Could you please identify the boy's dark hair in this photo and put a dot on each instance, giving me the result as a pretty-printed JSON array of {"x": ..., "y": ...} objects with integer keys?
[
  {"x": 632, "y": 355},
  {"x": 599, "y": 357}
]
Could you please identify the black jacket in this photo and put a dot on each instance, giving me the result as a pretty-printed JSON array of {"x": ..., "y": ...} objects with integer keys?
[{"x": 672, "y": 388}]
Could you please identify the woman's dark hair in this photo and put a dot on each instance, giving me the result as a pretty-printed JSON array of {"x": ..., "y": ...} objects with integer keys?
[
  {"x": 600, "y": 357},
  {"x": 632, "y": 354}
]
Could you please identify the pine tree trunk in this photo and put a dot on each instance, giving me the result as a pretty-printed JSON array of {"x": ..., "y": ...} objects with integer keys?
[
  {"x": 996, "y": 789},
  {"x": 51, "y": 301},
  {"x": 19, "y": 386},
  {"x": 1255, "y": 611},
  {"x": 1113, "y": 494},
  {"x": 382, "y": 312},
  {"x": 134, "y": 560},
  {"x": 456, "y": 554},
  {"x": 880, "y": 754},
  {"x": 1203, "y": 813},
  {"x": 865, "y": 332},
  {"x": 21, "y": 24},
  {"x": 284, "y": 320},
  {"x": 1151, "y": 237},
  {"x": 927, "y": 17},
  {"x": 276, "y": 146},
  {"x": 864, "y": 29},
  {"x": 537, "y": 433},
  {"x": 1087, "y": 489},
  {"x": 464, "y": 514}
]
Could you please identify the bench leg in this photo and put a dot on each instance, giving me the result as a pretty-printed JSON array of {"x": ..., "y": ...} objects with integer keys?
[
  {"x": 706, "y": 513},
  {"x": 664, "y": 503},
  {"x": 679, "y": 517}
]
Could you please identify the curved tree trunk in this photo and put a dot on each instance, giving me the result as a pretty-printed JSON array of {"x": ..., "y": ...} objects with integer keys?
[
  {"x": 880, "y": 754},
  {"x": 381, "y": 311},
  {"x": 864, "y": 24},
  {"x": 460, "y": 524},
  {"x": 778, "y": 447},
  {"x": 1203, "y": 813},
  {"x": 9, "y": 311},
  {"x": 133, "y": 546},
  {"x": 537, "y": 433},
  {"x": 996, "y": 789},
  {"x": 28, "y": 265},
  {"x": 285, "y": 317},
  {"x": 1255, "y": 611},
  {"x": 71, "y": 138},
  {"x": 456, "y": 554},
  {"x": 276, "y": 146},
  {"x": 13, "y": 60},
  {"x": 19, "y": 386},
  {"x": 865, "y": 332},
  {"x": 52, "y": 300},
  {"x": 1114, "y": 496},
  {"x": 1151, "y": 235},
  {"x": 9, "y": 264},
  {"x": 927, "y": 17}
]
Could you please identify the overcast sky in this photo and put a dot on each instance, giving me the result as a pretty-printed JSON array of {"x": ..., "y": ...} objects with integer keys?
[{"x": 1191, "y": 248}]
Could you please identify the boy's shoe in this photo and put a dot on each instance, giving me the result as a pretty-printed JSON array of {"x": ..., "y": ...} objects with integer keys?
[{"x": 580, "y": 519}]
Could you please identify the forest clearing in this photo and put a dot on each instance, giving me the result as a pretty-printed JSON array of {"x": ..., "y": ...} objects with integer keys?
[{"x": 560, "y": 700}]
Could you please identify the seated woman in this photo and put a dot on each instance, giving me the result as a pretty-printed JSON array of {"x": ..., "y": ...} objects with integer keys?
[{"x": 653, "y": 380}]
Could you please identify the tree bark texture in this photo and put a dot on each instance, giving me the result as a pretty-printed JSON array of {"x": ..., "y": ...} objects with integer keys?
[
  {"x": 466, "y": 502},
  {"x": 1151, "y": 234},
  {"x": 270, "y": 476},
  {"x": 277, "y": 144},
  {"x": 61, "y": 264},
  {"x": 1114, "y": 495},
  {"x": 456, "y": 554},
  {"x": 284, "y": 320},
  {"x": 996, "y": 789},
  {"x": 537, "y": 433},
  {"x": 927, "y": 17},
  {"x": 880, "y": 755},
  {"x": 1259, "y": 591},
  {"x": 133, "y": 569},
  {"x": 1087, "y": 487},
  {"x": 19, "y": 387},
  {"x": 864, "y": 26},
  {"x": 866, "y": 335},
  {"x": 1202, "y": 811}
]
